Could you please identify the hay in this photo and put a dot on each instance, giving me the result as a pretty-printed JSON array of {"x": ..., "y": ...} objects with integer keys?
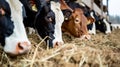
[
  {"x": 35, "y": 53},
  {"x": 100, "y": 51}
]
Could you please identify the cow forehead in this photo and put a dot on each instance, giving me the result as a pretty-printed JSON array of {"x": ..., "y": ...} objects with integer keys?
[
  {"x": 77, "y": 16},
  {"x": 78, "y": 10}
]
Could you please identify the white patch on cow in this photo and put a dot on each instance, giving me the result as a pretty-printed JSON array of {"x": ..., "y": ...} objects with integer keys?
[
  {"x": 108, "y": 30},
  {"x": 59, "y": 18},
  {"x": 93, "y": 31},
  {"x": 19, "y": 34},
  {"x": 92, "y": 15}
]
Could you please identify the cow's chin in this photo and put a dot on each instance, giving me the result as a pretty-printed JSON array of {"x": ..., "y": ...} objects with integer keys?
[{"x": 15, "y": 48}]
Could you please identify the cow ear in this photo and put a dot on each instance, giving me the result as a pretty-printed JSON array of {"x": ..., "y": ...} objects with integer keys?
[{"x": 92, "y": 20}]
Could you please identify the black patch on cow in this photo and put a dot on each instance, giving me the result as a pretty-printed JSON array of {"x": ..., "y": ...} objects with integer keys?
[
  {"x": 6, "y": 24},
  {"x": 89, "y": 27},
  {"x": 44, "y": 26},
  {"x": 67, "y": 13},
  {"x": 73, "y": 4},
  {"x": 100, "y": 25}
]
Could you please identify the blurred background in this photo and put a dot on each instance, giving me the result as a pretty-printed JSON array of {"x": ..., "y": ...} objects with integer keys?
[
  {"x": 109, "y": 9},
  {"x": 114, "y": 10}
]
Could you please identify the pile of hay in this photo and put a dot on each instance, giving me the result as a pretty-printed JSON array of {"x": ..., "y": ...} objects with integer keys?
[{"x": 101, "y": 51}]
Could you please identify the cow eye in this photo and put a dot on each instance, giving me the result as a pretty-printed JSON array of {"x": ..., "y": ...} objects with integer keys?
[{"x": 77, "y": 20}]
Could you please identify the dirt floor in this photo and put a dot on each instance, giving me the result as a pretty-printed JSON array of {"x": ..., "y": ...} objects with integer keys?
[{"x": 101, "y": 51}]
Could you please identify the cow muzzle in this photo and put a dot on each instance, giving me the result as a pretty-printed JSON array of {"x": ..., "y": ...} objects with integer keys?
[{"x": 21, "y": 48}]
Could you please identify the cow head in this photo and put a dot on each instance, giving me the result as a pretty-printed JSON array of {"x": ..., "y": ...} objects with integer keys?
[
  {"x": 77, "y": 24},
  {"x": 15, "y": 40},
  {"x": 100, "y": 25},
  {"x": 108, "y": 25},
  {"x": 91, "y": 22},
  {"x": 90, "y": 15},
  {"x": 45, "y": 22}
]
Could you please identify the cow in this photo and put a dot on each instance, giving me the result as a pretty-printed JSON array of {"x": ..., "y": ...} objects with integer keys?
[
  {"x": 13, "y": 37},
  {"x": 76, "y": 25},
  {"x": 87, "y": 13},
  {"x": 102, "y": 25},
  {"x": 91, "y": 26},
  {"x": 40, "y": 17},
  {"x": 108, "y": 26},
  {"x": 59, "y": 18}
]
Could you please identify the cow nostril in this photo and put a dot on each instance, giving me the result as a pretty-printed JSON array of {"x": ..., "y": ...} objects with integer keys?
[{"x": 20, "y": 47}]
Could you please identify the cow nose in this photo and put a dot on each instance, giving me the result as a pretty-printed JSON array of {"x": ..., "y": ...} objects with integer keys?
[
  {"x": 22, "y": 47},
  {"x": 57, "y": 44}
]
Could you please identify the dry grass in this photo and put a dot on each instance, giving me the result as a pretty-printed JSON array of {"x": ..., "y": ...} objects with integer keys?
[{"x": 101, "y": 51}]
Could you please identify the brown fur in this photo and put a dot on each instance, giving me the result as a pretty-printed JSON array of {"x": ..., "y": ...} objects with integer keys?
[
  {"x": 90, "y": 20},
  {"x": 76, "y": 29},
  {"x": 64, "y": 5}
]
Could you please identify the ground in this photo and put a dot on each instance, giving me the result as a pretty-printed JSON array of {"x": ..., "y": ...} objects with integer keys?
[{"x": 101, "y": 51}]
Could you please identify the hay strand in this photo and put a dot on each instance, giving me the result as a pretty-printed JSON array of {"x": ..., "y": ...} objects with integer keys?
[{"x": 35, "y": 53}]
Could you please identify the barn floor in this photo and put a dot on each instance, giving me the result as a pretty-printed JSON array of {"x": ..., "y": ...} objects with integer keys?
[{"x": 101, "y": 51}]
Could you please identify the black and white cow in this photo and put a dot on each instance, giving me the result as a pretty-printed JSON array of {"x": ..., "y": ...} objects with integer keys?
[
  {"x": 100, "y": 24},
  {"x": 59, "y": 18},
  {"x": 92, "y": 26},
  {"x": 42, "y": 18},
  {"x": 12, "y": 32}
]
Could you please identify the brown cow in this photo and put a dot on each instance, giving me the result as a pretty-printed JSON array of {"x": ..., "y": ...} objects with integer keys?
[{"x": 76, "y": 25}]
